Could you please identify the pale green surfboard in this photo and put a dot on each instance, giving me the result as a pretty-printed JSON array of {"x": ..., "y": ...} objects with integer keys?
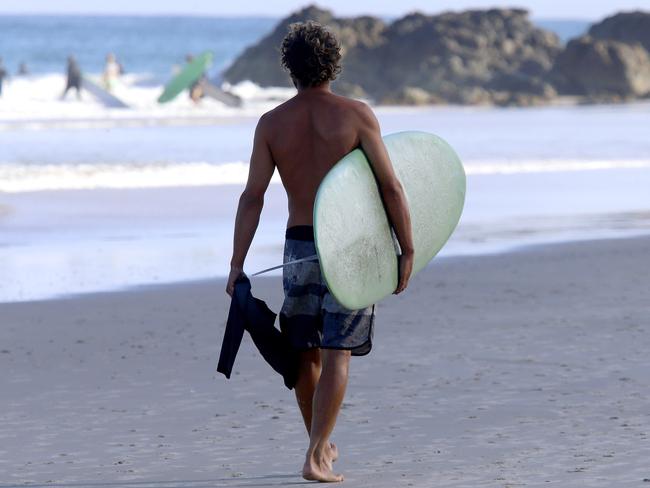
[
  {"x": 188, "y": 75},
  {"x": 354, "y": 242}
]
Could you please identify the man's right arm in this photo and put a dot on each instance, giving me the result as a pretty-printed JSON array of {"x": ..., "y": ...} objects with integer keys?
[
  {"x": 391, "y": 191},
  {"x": 260, "y": 171}
]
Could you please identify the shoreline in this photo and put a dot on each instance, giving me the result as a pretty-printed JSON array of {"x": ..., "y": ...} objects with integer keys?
[
  {"x": 520, "y": 368},
  {"x": 88, "y": 240},
  {"x": 505, "y": 249}
]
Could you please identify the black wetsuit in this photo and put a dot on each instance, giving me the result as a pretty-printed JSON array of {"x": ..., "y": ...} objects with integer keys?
[
  {"x": 74, "y": 78},
  {"x": 252, "y": 314},
  {"x": 3, "y": 75}
]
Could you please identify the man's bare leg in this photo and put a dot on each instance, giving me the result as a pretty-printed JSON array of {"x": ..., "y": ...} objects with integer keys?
[
  {"x": 309, "y": 371},
  {"x": 328, "y": 397}
]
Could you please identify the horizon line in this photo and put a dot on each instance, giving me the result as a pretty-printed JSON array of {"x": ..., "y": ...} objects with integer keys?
[{"x": 261, "y": 16}]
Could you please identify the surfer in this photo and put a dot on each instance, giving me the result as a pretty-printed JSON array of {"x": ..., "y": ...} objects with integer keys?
[
  {"x": 3, "y": 75},
  {"x": 304, "y": 137},
  {"x": 23, "y": 70},
  {"x": 74, "y": 78},
  {"x": 112, "y": 72},
  {"x": 196, "y": 89}
]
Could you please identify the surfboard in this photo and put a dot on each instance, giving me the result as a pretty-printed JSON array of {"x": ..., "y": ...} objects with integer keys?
[
  {"x": 355, "y": 244},
  {"x": 188, "y": 75},
  {"x": 105, "y": 97},
  {"x": 228, "y": 99}
]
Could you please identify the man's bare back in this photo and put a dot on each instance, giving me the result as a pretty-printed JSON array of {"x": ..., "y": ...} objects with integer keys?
[
  {"x": 307, "y": 135},
  {"x": 304, "y": 137}
]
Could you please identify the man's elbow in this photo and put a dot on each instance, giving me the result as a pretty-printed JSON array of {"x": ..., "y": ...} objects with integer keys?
[
  {"x": 391, "y": 189},
  {"x": 251, "y": 198}
]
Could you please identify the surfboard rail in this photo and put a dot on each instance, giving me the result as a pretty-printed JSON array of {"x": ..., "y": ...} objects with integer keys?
[{"x": 104, "y": 96}]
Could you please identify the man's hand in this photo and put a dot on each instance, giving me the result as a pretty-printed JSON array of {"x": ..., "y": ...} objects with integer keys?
[
  {"x": 405, "y": 266},
  {"x": 234, "y": 274}
]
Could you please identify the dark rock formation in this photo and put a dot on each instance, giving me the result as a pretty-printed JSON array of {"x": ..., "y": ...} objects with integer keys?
[
  {"x": 628, "y": 27},
  {"x": 474, "y": 57},
  {"x": 261, "y": 63},
  {"x": 608, "y": 69},
  {"x": 492, "y": 56}
]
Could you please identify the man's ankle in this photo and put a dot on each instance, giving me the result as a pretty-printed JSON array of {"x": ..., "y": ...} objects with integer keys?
[{"x": 319, "y": 451}]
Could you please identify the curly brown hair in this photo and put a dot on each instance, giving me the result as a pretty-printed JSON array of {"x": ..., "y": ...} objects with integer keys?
[{"x": 311, "y": 53}]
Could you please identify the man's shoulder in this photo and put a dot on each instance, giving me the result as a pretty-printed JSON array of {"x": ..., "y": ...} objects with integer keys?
[
  {"x": 352, "y": 104},
  {"x": 275, "y": 113},
  {"x": 266, "y": 120}
]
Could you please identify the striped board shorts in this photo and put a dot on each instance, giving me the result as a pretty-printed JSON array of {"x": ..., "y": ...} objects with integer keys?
[{"x": 310, "y": 316}]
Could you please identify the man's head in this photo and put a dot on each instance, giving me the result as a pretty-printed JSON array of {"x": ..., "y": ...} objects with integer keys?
[{"x": 311, "y": 53}]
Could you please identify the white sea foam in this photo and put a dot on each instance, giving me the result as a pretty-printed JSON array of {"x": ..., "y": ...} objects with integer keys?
[
  {"x": 550, "y": 166},
  {"x": 34, "y": 102},
  {"x": 25, "y": 178},
  {"x": 18, "y": 178}
]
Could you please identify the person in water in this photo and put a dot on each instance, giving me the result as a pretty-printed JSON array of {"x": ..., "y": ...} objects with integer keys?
[
  {"x": 3, "y": 74},
  {"x": 303, "y": 138},
  {"x": 23, "y": 70},
  {"x": 74, "y": 78},
  {"x": 112, "y": 72},
  {"x": 196, "y": 89}
]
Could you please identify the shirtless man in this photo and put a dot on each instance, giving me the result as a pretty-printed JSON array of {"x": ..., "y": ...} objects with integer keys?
[{"x": 304, "y": 137}]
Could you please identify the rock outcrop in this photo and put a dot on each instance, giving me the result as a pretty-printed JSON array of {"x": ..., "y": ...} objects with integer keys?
[
  {"x": 491, "y": 56},
  {"x": 260, "y": 63},
  {"x": 611, "y": 63},
  {"x": 603, "y": 69},
  {"x": 628, "y": 27},
  {"x": 474, "y": 57}
]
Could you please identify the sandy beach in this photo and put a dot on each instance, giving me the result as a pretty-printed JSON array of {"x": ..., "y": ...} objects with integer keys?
[
  {"x": 518, "y": 357},
  {"x": 522, "y": 369}
]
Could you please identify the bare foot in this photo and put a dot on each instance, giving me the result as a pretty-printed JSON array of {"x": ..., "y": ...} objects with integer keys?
[{"x": 320, "y": 470}]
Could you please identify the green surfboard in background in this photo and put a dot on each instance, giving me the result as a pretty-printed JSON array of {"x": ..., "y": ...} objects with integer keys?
[
  {"x": 188, "y": 75},
  {"x": 353, "y": 237}
]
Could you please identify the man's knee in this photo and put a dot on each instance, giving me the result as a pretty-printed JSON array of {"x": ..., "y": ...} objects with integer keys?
[
  {"x": 310, "y": 358},
  {"x": 336, "y": 359}
]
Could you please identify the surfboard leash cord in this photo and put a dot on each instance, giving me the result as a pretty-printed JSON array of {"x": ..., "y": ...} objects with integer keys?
[{"x": 313, "y": 257}]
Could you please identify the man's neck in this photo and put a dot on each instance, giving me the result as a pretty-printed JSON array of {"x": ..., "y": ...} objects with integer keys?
[{"x": 322, "y": 88}]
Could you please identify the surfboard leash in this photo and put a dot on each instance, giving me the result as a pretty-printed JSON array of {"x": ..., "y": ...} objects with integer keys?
[{"x": 295, "y": 261}]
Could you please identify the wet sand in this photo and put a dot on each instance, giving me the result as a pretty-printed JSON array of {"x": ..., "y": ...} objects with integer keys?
[{"x": 521, "y": 369}]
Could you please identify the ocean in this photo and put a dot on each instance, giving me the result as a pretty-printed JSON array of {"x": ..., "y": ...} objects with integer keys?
[
  {"x": 148, "y": 46},
  {"x": 93, "y": 198}
]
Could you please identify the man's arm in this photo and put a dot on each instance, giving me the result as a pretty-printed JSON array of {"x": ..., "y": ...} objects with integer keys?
[
  {"x": 391, "y": 191},
  {"x": 251, "y": 202}
]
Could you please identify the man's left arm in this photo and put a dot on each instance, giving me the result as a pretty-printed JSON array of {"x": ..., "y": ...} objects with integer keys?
[{"x": 251, "y": 202}]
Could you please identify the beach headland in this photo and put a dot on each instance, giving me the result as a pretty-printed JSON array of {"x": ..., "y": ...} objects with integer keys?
[
  {"x": 526, "y": 368},
  {"x": 496, "y": 56}
]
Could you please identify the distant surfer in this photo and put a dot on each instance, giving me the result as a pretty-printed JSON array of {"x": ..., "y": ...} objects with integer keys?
[
  {"x": 196, "y": 89},
  {"x": 303, "y": 138},
  {"x": 73, "y": 78},
  {"x": 112, "y": 72},
  {"x": 3, "y": 75}
]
